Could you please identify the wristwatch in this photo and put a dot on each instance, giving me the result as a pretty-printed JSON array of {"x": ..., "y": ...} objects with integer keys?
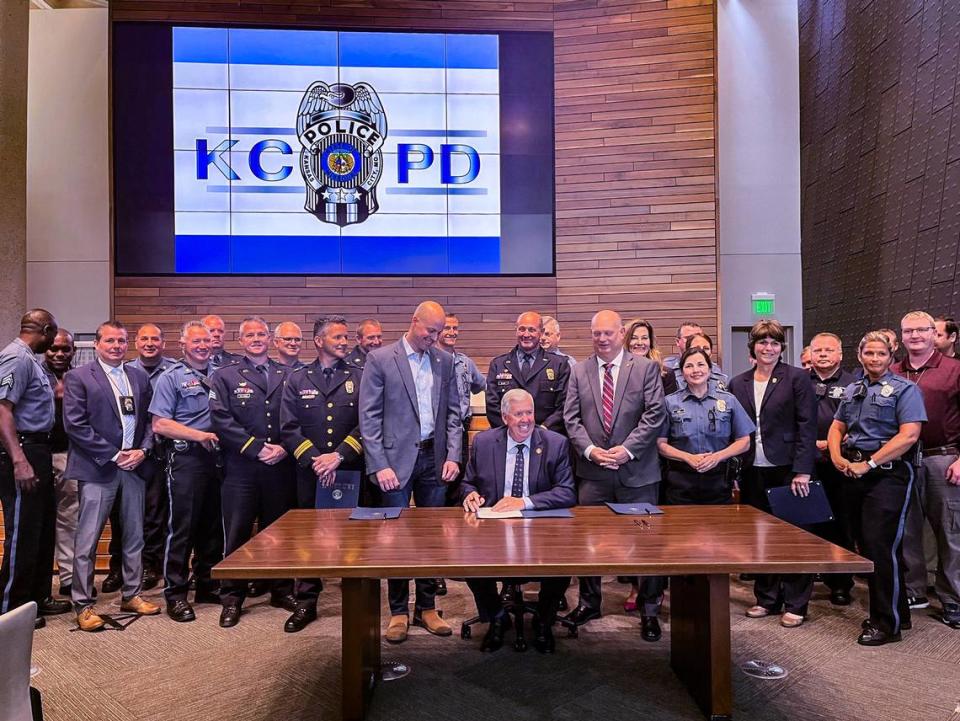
[
  {"x": 871, "y": 463},
  {"x": 340, "y": 456}
]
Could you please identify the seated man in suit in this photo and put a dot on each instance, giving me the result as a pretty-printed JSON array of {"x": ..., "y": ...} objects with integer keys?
[{"x": 517, "y": 467}]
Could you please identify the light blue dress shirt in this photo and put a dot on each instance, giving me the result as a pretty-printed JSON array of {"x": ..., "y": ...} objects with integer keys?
[{"x": 423, "y": 381}]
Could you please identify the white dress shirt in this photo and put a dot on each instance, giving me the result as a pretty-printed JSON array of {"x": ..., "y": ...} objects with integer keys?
[
  {"x": 511, "y": 467},
  {"x": 423, "y": 382}
]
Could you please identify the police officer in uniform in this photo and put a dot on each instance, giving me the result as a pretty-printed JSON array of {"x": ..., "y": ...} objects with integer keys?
[
  {"x": 829, "y": 381},
  {"x": 219, "y": 356},
  {"x": 259, "y": 477},
  {"x": 181, "y": 413},
  {"x": 26, "y": 469},
  {"x": 319, "y": 419},
  {"x": 876, "y": 425},
  {"x": 369, "y": 337},
  {"x": 543, "y": 375}
]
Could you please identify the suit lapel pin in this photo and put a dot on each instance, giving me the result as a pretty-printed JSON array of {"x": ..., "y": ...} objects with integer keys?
[
  {"x": 773, "y": 380},
  {"x": 538, "y": 450}
]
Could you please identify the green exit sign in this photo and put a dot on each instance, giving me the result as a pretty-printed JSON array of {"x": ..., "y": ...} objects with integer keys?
[{"x": 763, "y": 304}]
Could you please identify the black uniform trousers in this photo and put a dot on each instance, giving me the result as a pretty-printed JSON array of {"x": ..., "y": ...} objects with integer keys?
[
  {"x": 29, "y": 522},
  {"x": 595, "y": 493},
  {"x": 428, "y": 491},
  {"x": 839, "y": 531},
  {"x": 252, "y": 490},
  {"x": 194, "y": 524},
  {"x": 879, "y": 499},
  {"x": 775, "y": 591},
  {"x": 683, "y": 486},
  {"x": 307, "y": 590},
  {"x": 490, "y": 603},
  {"x": 155, "y": 512}
]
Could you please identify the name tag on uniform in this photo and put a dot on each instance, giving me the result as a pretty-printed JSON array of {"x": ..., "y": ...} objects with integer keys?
[{"x": 127, "y": 407}]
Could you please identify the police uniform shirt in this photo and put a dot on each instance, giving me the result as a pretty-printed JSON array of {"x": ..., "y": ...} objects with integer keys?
[
  {"x": 356, "y": 357},
  {"x": 181, "y": 396},
  {"x": 245, "y": 406},
  {"x": 469, "y": 380},
  {"x": 319, "y": 416},
  {"x": 717, "y": 377},
  {"x": 704, "y": 425},
  {"x": 154, "y": 372},
  {"x": 829, "y": 392},
  {"x": 297, "y": 364},
  {"x": 546, "y": 381},
  {"x": 873, "y": 411},
  {"x": 25, "y": 384},
  {"x": 222, "y": 359}
]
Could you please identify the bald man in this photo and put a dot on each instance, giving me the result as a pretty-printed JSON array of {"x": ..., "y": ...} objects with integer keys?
[
  {"x": 411, "y": 443},
  {"x": 288, "y": 340},
  {"x": 529, "y": 367},
  {"x": 219, "y": 356},
  {"x": 613, "y": 412}
]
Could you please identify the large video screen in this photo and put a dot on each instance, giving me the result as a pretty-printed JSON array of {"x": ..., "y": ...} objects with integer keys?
[{"x": 261, "y": 151}]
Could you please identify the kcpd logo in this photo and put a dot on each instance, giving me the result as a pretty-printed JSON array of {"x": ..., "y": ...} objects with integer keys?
[{"x": 342, "y": 129}]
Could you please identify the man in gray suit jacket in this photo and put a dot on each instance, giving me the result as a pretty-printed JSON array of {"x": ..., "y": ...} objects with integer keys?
[
  {"x": 613, "y": 412},
  {"x": 411, "y": 429},
  {"x": 105, "y": 417}
]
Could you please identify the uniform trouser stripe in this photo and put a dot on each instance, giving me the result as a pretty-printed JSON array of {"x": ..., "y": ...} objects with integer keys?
[
  {"x": 12, "y": 566},
  {"x": 166, "y": 546},
  {"x": 894, "y": 551}
]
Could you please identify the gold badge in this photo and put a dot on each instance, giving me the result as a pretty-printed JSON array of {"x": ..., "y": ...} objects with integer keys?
[
  {"x": 551, "y": 376},
  {"x": 721, "y": 405},
  {"x": 349, "y": 386}
]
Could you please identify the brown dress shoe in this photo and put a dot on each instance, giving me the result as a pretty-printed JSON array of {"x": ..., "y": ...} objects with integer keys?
[
  {"x": 430, "y": 620},
  {"x": 397, "y": 629},
  {"x": 88, "y": 620},
  {"x": 140, "y": 606}
]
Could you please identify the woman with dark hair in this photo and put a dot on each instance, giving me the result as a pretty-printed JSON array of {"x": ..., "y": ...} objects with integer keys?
[
  {"x": 783, "y": 450},
  {"x": 706, "y": 426}
]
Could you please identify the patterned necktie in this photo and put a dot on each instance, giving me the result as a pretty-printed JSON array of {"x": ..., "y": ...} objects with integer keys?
[
  {"x": 128, "y": 422},
  {"x": 608, "y": 397},
  {"x": 517, "y": 490}
]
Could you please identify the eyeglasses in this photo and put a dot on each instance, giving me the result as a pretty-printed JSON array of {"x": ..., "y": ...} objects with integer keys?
[
  {"x": 291, "y": 339},
  {"x": 916, "y": 331}
]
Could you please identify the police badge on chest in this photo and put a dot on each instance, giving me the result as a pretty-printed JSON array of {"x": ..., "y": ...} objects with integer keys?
[{"x": 127, "y": 406}]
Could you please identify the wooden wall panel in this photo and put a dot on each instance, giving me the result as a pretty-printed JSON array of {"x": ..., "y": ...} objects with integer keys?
[{"x": 635, "y": 176}]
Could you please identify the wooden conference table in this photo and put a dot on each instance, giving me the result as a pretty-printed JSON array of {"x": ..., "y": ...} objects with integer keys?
[{"x": 697, "y": 546}]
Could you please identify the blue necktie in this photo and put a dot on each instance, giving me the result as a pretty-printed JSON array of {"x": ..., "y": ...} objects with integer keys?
[
  {"x": 129, "y": 422},
  {"x": 517, "y": 490}
]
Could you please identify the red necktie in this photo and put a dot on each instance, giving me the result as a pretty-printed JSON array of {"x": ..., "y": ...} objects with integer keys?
[{"x": 608, "y": 397}]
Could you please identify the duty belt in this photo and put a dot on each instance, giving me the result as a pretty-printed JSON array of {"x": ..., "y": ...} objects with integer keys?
[
  {"x": 860, "y": 456},
  {"x": 34, "y": 437}
]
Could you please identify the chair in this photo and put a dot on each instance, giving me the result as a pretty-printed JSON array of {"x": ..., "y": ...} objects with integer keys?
[
  {"x": 16, "y": 640},
  {"x": 517, "y": 607}
]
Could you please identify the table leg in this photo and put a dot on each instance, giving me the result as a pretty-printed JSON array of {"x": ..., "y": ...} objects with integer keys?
[
  {"x": 700, "y": 640},
  {"x": 361, "y": 644}
]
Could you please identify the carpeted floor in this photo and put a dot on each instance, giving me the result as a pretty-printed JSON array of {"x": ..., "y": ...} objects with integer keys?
[{"x": 157, "y": 669}]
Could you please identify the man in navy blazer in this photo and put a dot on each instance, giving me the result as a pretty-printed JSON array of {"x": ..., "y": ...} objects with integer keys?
[
  {"x": 518, "y": 467},
  {"x": 105, "y": 417}
]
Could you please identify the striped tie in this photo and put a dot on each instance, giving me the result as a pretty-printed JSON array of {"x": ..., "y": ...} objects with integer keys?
[
  {"x": 128, "y": 422},
  {"x": 608, "y": 397}
]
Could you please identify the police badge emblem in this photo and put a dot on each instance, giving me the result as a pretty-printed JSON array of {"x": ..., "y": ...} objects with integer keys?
[
  {"x": 342, "y": 129},
  {"x": 887, "y": 390},
  {"x": 721, "y": 405},
  {"x": 551, "y": 375},
  {"x": 348, "y": 386}
]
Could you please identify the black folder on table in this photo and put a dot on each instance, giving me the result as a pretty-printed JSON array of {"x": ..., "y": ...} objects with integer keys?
[
  {"x": 800, "y": 510},
  {"x": 344, "y": 493}
]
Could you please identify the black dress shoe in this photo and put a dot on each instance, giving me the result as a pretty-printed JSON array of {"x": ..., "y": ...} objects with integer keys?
[
  {"x": 441, "y": 587},
  {"x": 181, "y": 611},
  {"x": 493, "y": 638},
  {"x": 840, "y": 597},
  {"x": 873, "y": 636},
  {"x": 52, "y": 607},
  {"x": 288, "y": 602},
  {"x": 150, "y": 579},
  {"x": 300, "y": 618},
  {"x": 905, "y": 625},
  {"x": 650, "y": 628},
  {"x": 543, "y": 639},
  {"x": 257, "y": 588},
  {"x": 207, "y": 597},
  {"x": 39, "y": 623},
  {"x": 581, "y": 615},
  {"x": 113, "y": 582},
  {"x": 229, "y": 616}
]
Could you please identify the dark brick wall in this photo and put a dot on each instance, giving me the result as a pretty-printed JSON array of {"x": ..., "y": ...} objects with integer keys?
[{"x": 880, "y": 177}]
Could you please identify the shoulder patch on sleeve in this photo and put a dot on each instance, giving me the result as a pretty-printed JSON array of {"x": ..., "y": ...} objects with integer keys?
[{"x": 7, "y": 380}]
